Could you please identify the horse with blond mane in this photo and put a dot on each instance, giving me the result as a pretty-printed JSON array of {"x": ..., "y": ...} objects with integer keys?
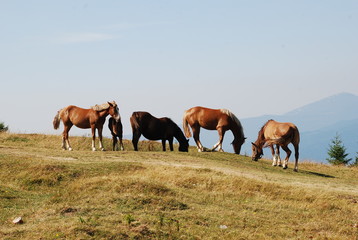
[
  {"x": 221, "y": 120},
  {"x": 279, "y": 134},
  {"x": 93, "y": 118}
]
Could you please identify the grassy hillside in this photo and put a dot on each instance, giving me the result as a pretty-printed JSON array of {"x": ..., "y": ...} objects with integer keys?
[{"x": 166, "y": 195}]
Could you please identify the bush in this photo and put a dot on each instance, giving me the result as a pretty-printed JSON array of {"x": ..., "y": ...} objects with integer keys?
[{"x": 3, "y": 128}]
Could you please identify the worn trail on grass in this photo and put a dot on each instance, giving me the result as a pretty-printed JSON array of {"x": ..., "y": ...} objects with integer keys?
[{"x": 225, "y": 163}]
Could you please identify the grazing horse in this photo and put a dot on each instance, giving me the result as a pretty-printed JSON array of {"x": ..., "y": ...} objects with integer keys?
[
  {"x": 154, "y": 128},
  {"x": 279, "y": 134},
  {"x": 85, "y": 118},
  {"x": 213, "y": 119},
  {"x": 116, "y": 129}
]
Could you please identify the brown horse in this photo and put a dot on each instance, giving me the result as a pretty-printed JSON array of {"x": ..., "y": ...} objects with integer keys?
[
  {"x": 279, "y": 134},
  {"x": 154, "y": 128},
  {"x": 213, "y": 119},
  {"x": 85, "y": 118},
  {"x": 116, "y": 129}
]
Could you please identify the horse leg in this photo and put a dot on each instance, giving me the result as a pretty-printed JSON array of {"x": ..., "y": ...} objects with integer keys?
[
  {"x": 170, "y": 140},
  {"x": 93, "y": 128},
  {"x": 279, "y": 162},
  {"x": 135, "y": 139},
  {"x": 100, "y": 129},
  {"x": 274, "y": 159},
  {"x": 163, "y": 145},
  {"x": 220, "y": 142},
  {"x": 196, "y": 132},
  {"x": 121, "y": 144},
  {"x": 288, "y": 152},
  {"x": 296, "y": 158},
  {"x": 65, "y": 141},
  {"x": 114, "y": 143}
]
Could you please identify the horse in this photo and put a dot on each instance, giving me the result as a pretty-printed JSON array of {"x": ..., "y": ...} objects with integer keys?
[
  {"x": 152, "y": 128},
  {"x": 93, "y": 118},
  {"x": 279, "y": 134},
  {"x": 221, "y": 120},
  {"x": 116, "y": 129}
]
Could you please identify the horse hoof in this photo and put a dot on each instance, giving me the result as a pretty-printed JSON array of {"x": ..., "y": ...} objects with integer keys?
[
  {"x": 93, "y": 149},
  {"x": 295, "y": 170},
  {"x": 70, "y": 149},
  {"x": 285, "y": 167},
  {"x": 102, "y": 149}
]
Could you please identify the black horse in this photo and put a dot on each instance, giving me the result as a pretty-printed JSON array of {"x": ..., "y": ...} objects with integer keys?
[
  {"x": 116, "y": 129},
  {"x": 154, "y": 128}
]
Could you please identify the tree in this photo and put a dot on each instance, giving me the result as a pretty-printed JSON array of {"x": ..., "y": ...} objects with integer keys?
[
  {"x": 355, "y": 163},
  {"x": 3, "y": 128},
  {"x": 337, "y": 152}
]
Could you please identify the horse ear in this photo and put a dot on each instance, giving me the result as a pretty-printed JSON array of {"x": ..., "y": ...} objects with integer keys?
[
  {"x": 253, "y": 144},
  {"x": 110, "y": 104}
]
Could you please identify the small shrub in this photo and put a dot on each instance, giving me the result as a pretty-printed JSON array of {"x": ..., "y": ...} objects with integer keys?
[{"x": 3, "y": 128}]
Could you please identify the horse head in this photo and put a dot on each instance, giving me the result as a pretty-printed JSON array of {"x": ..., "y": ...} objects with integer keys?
[
  {"x": 114, "y": 111},
  {"x": 237, "y": 143},
  {"x": 257, "y": 152},
  {"x": 184, "y": 145}
]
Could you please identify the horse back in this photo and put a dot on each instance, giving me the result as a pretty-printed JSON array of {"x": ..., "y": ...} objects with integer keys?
[
  {"x": 80, "y": 117},
  {"x": 151, "y": 127},
  {"x": 284, "y": 133},
  {"x": 206, "y": 117}
]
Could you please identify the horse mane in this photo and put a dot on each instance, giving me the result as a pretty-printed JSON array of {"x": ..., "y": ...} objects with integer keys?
[
  {"x": 102, "y": 107},
  {"x": 235, "y": 119}
]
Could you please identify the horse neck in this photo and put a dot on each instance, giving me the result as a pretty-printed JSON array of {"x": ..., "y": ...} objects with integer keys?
[
  {"x": 179, "y": 135},
  {"x": 237, "y": 131},
  {"x": 103, "y": 114},
  {"x": 260, "y": 141}
]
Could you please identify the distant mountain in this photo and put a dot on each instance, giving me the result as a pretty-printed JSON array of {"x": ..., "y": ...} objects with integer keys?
[
  {"x": 318, "y": 123},
  {"x": 315, "y": 144},
  {"x": 326, "y": 112}
]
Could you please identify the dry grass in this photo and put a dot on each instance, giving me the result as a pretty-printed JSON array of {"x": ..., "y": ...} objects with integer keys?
[{"x": 172, "y": 195}]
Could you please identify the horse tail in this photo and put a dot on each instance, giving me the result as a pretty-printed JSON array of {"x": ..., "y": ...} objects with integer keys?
[
  {"x": 134, "y": 121},
  {"x": 296, "y": 136},
  {"x": 57, "y": 120},
  {"x": 186, "y": 125}
]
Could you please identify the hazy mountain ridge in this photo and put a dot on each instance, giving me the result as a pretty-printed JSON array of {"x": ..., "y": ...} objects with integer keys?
[{"x": 318, "y": 123}]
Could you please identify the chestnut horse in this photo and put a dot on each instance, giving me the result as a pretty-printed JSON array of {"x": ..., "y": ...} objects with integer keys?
[
  {"x": 279, "y": 134},
  {"x": 154, "y": 128},
  {"x": 85, "y": 118},
  {"x": 213, "y": 119},
  {"x": 116, "y": 129}
]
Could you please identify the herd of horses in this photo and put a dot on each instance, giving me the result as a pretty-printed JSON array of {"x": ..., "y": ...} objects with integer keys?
[{"x": 272, "y": 134}]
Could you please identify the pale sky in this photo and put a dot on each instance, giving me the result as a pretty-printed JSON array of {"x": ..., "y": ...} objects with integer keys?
[{"x": 252, "y": 57}]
